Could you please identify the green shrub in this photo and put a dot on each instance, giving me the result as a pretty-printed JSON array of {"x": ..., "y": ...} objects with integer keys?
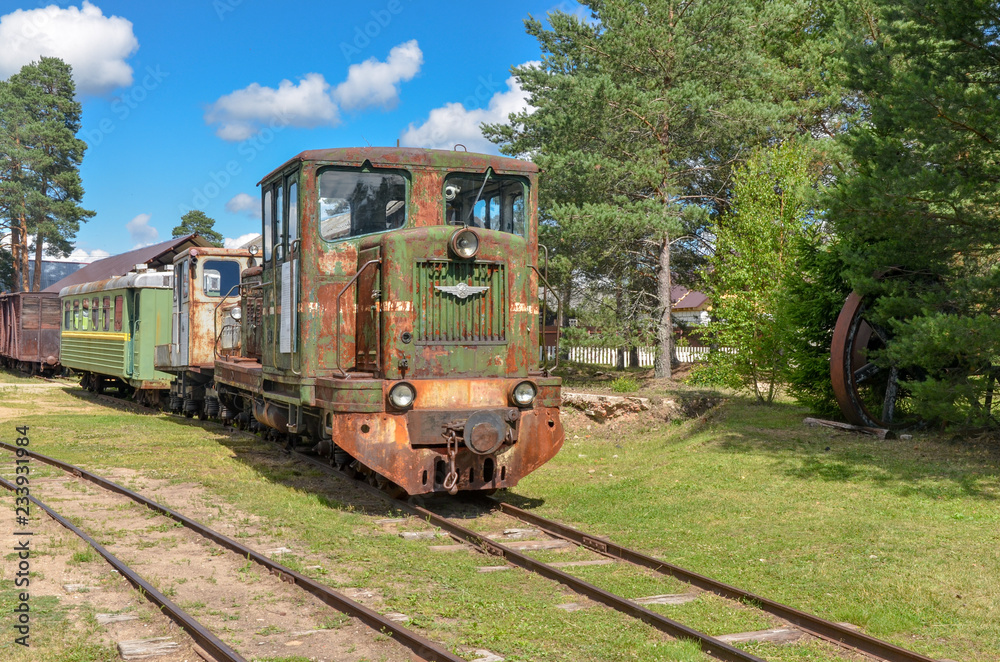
[{"x": 625, "y": 384}]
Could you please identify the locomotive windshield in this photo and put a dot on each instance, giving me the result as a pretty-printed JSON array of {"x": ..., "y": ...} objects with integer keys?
[
  {"x": 221, "y": 277},
  {"x": 354, "y": 203},
  {"x": 490, "y": 201}
]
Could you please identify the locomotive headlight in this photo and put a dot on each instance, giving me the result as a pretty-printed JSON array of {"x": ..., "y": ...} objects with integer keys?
[
  {"x": 402, "y": 395},
  {"x": 523, "y": 394},
  {"x": 236, "y": 313},
  {"x": 465, "y": 243}
]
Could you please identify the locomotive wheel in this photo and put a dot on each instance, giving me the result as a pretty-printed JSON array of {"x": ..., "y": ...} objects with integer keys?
[{"x": 869, "y": 395}]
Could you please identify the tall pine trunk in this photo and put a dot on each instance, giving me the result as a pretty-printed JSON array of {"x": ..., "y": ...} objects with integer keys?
[
  {"x": 665, "y": 328},
  {"x": 36, "y": 282}
]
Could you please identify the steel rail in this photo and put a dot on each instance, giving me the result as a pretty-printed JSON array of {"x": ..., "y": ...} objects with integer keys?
[
  {"x": 426, "y": 649},
  {"x": 812, "y": 624},
  {"x": 709, "y": 645},
  {"x": 201, "y": 635}
]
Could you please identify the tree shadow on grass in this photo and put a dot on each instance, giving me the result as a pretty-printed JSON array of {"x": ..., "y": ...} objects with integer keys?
[{"x": 936, "y": 465}]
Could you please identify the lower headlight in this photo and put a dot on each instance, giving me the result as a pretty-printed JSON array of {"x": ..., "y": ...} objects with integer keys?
[
  {"x": 402, "y": 395},
  {"x": 524, "y": 394},
  {"x": 236, "y": 313}
]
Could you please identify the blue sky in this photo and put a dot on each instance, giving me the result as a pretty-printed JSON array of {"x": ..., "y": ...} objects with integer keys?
[{"x": 186, "y": 105}]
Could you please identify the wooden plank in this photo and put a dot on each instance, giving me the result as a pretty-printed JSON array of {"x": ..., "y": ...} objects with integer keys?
[
  {"x": 107, "y": 619},
  {"x": 140, "y": 649},
  {"x": 422, "y": 535},
  {"x": 675, "y": 599},
  {"x": 775, "y": 636},
  {"x": 576, "y": 564},
  {"x": 880, "y": 433},
  {"x": 447, "y": 548},
  {"x": 494, "y": 568},
  {"x": 528, "y": 545}
]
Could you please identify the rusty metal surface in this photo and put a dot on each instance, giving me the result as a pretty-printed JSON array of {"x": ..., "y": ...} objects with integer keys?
[
  {"x": 29, "y": 328},
  {"x": 850, "y": 370},
  {"x": 380, "y": 307},
  {"x": 403, "y": 157},
  {"x": 212, "y": 644},
  {"x": 813, "y": 624},
  {"x": 203, "y": 313},
  {"x": 426, "y": 649},
  {"x": 157, "y": 255},
  {"x": 381, "y": 442}
]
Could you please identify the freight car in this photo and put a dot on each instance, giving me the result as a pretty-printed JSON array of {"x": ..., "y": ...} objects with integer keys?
[
  {"x": 29, "y": 332},
  {"x": 205, "y": 291},
  {"x": 394, "y": 318},
  {"x": 110, "y": 329}
]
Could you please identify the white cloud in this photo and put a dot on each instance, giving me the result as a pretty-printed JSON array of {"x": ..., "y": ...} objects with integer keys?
[
  {"x": 374, "y": 83},
  {"x": 244, "y": 202},
  {"x": 239, "y": 241},
  {"x": 454, "y": 123},
  {"x": 141, "y": 232},
  {"x": 80, "y": 255},
  {"x": 95, "y": 45},
  {"x": 312, "y": 102},
  {"x": 243, "y": 112}
]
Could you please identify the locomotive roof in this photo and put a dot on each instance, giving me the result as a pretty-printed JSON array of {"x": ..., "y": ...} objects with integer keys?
[
  {"x": 146, "y": 279},
  {"x": 400, "y": 157}
]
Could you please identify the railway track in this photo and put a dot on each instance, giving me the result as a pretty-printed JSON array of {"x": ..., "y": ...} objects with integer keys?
[
  {"x": 841, "y": 635},
  {"x": 422, "y": 647}
]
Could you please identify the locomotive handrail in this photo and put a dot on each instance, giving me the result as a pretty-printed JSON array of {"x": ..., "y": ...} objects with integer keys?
[
  {"x": 548, "y": 287},
  {"x": 343, "y": 373},
  {"x": 215, "y": 319}
]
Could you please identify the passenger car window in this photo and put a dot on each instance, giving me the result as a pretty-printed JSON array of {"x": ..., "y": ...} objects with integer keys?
[
  {"x": 119, "y": 302},
  {"x": 106, "y": 310},
  {"x": 355, "y": 203}
]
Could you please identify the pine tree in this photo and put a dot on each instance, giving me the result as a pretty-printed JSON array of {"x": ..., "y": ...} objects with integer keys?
[
  {"x": 919, "y": 216},
  {"x": 197, "y": 222},
  {"x": 638, "y": 118},
  {"x": 41, "y": 190}
]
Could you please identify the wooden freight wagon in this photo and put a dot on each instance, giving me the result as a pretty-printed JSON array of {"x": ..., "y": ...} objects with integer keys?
[
  {"x": 110, "y": 330},
  {"x": 29, "y": 331}
]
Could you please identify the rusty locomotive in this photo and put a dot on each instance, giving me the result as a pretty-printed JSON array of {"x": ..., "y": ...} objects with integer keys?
[{"x": 392, "y": 321}]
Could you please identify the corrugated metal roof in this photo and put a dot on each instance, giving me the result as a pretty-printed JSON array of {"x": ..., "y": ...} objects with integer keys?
[{"x": 157, "y": 255}]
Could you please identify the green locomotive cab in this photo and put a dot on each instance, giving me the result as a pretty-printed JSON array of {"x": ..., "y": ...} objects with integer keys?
[
  {"x": 110, "y": 329},
  {"x": 394, "y": 319}
]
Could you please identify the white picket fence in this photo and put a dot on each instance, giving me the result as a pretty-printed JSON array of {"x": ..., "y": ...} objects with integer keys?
[{"x": 609, "y": 356}]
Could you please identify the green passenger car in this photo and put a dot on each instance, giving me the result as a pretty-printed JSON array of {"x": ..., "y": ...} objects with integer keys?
[{"x": 110, "y": 330}]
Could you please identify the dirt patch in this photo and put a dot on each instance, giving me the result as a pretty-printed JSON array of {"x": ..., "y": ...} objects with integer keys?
[{"x": 251, "y": 610}]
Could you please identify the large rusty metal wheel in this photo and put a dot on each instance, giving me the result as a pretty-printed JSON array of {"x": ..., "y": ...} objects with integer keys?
[{"x": 868, "y": 394}]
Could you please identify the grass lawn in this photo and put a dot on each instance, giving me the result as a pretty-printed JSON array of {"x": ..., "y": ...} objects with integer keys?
[{"x": 898, "y": 537}]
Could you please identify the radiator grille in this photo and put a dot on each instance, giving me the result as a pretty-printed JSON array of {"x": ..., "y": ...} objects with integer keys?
[{"x": 450, "y": 319}]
